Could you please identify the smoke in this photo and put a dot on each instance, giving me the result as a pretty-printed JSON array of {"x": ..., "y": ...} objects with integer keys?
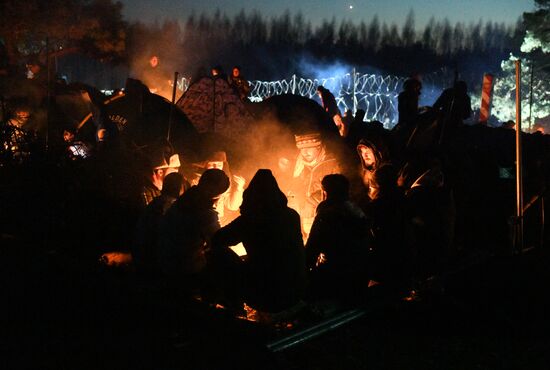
[
  {"x": 314, "y": 69},
  {"x": 269, "y": 144}
]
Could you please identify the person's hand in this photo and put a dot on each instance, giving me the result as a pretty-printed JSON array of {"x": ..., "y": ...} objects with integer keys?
[{"x": 239, "y": 181}]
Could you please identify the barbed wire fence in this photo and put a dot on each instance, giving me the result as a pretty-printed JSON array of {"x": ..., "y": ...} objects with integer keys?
[{"x": 375, "y": 94}]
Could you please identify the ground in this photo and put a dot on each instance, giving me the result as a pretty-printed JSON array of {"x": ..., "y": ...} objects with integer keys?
[{"x": 61, "y": 310}]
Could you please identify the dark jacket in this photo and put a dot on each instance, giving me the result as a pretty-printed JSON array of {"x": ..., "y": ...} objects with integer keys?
[
  {"x": 274, "y": 271},
  {"x": 340, "y": 232},
  {"x": 185, "y": 233}
]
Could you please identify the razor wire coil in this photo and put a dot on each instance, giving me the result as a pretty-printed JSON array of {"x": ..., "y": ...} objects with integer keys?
[{"x": 375, "y": 94}]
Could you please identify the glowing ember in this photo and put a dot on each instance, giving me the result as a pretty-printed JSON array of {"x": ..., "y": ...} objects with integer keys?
[{"x": 115, "y": 259}]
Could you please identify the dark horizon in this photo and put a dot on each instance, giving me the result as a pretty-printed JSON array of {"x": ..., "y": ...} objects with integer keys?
[{"x": 388, "y": 11}]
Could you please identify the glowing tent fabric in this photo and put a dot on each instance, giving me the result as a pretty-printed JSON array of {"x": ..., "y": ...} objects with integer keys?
[{"x": 213, "y": 106}]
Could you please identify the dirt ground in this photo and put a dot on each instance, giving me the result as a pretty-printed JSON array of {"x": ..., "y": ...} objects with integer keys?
[{"x": 64, "y": 311}]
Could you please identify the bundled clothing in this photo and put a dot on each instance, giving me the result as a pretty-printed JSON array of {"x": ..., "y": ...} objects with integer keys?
[
  {"x": 455, "y": 105},
  {"x": 185, "y": 233},
  {"x": 145, "y": 250},
  {"x": 272, "y": 278},
  {"x": 340, "y": 234},
  {"x": 306, "y": 190},
  {"x": 240, "y": 85}
]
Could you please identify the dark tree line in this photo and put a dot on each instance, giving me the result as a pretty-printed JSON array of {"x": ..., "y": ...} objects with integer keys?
[
  {"x": 267, "y": 47},
  {"x": 34, "y": 27},
  {"x": 262, "y": 42}
]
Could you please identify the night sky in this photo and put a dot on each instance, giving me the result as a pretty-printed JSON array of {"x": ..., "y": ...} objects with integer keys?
[{"x": 389, "y": 11}]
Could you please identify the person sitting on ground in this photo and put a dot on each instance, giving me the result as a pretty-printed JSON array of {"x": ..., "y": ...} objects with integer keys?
[
  {"x": 155, "y": 176},
  {"x": 371, "y": 156},
  {"x": 393, "y": 255},
  {"x": 231, "y": 200},
  {"x": 338, "y": 247},
  {"x": 272, "y": 278},
  {"x": 314, "y": 162},
  {"x": 145, "y": 249},
  {"x": 187, "y": 227}
]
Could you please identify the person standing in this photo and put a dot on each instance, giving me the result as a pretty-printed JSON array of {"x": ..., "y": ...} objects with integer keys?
[
  {"x": 331, "y": 107},
  {"x": 239, "y": 83}
]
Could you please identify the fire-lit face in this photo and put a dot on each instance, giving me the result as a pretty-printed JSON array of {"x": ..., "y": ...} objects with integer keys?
[
  {"x": 214, "y": 164},
  {"x": 21, "y": 117},
  {"x": 236, "y": 72},
  {"x": 368, "y": 156},
  {"x": 68, "y": 136},
  {"x": 310, "y": 154},
  {"x": 154, "y": 61}
]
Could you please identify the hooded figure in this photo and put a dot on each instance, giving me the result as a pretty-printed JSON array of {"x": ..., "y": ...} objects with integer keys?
[
  {"x": 372, "y": 156},
  {"x": 273, "y": 276}
]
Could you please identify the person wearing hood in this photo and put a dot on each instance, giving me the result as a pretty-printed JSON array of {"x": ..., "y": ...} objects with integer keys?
[
  {"x": 371, "y": 156},
  {"x": 272, "y": 278}
]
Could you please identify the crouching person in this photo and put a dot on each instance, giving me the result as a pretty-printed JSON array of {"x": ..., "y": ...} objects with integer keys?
[
  {"x": 337, "y": 252},
  {"x": 187, "y": 227},
  {"x": 272, "y": 278}
]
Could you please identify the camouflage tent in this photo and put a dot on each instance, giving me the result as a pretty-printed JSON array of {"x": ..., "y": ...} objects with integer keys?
[{"x": 213, "y": 106}]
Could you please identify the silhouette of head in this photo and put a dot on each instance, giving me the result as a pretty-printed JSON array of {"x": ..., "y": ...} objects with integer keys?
[
  {"x": 213, "y": 183},
  {"x": 336, "y": 187},
  {"x": 461, "y": 87},
  {"x": 262, "y": 194},
  {"x": 173, "y": 185},
  {"x": 384, "y": 180},
  {"x": 412, "y": 85}
]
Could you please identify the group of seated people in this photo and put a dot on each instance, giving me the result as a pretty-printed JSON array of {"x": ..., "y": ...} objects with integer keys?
[{"x": 391, "y": 237}]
